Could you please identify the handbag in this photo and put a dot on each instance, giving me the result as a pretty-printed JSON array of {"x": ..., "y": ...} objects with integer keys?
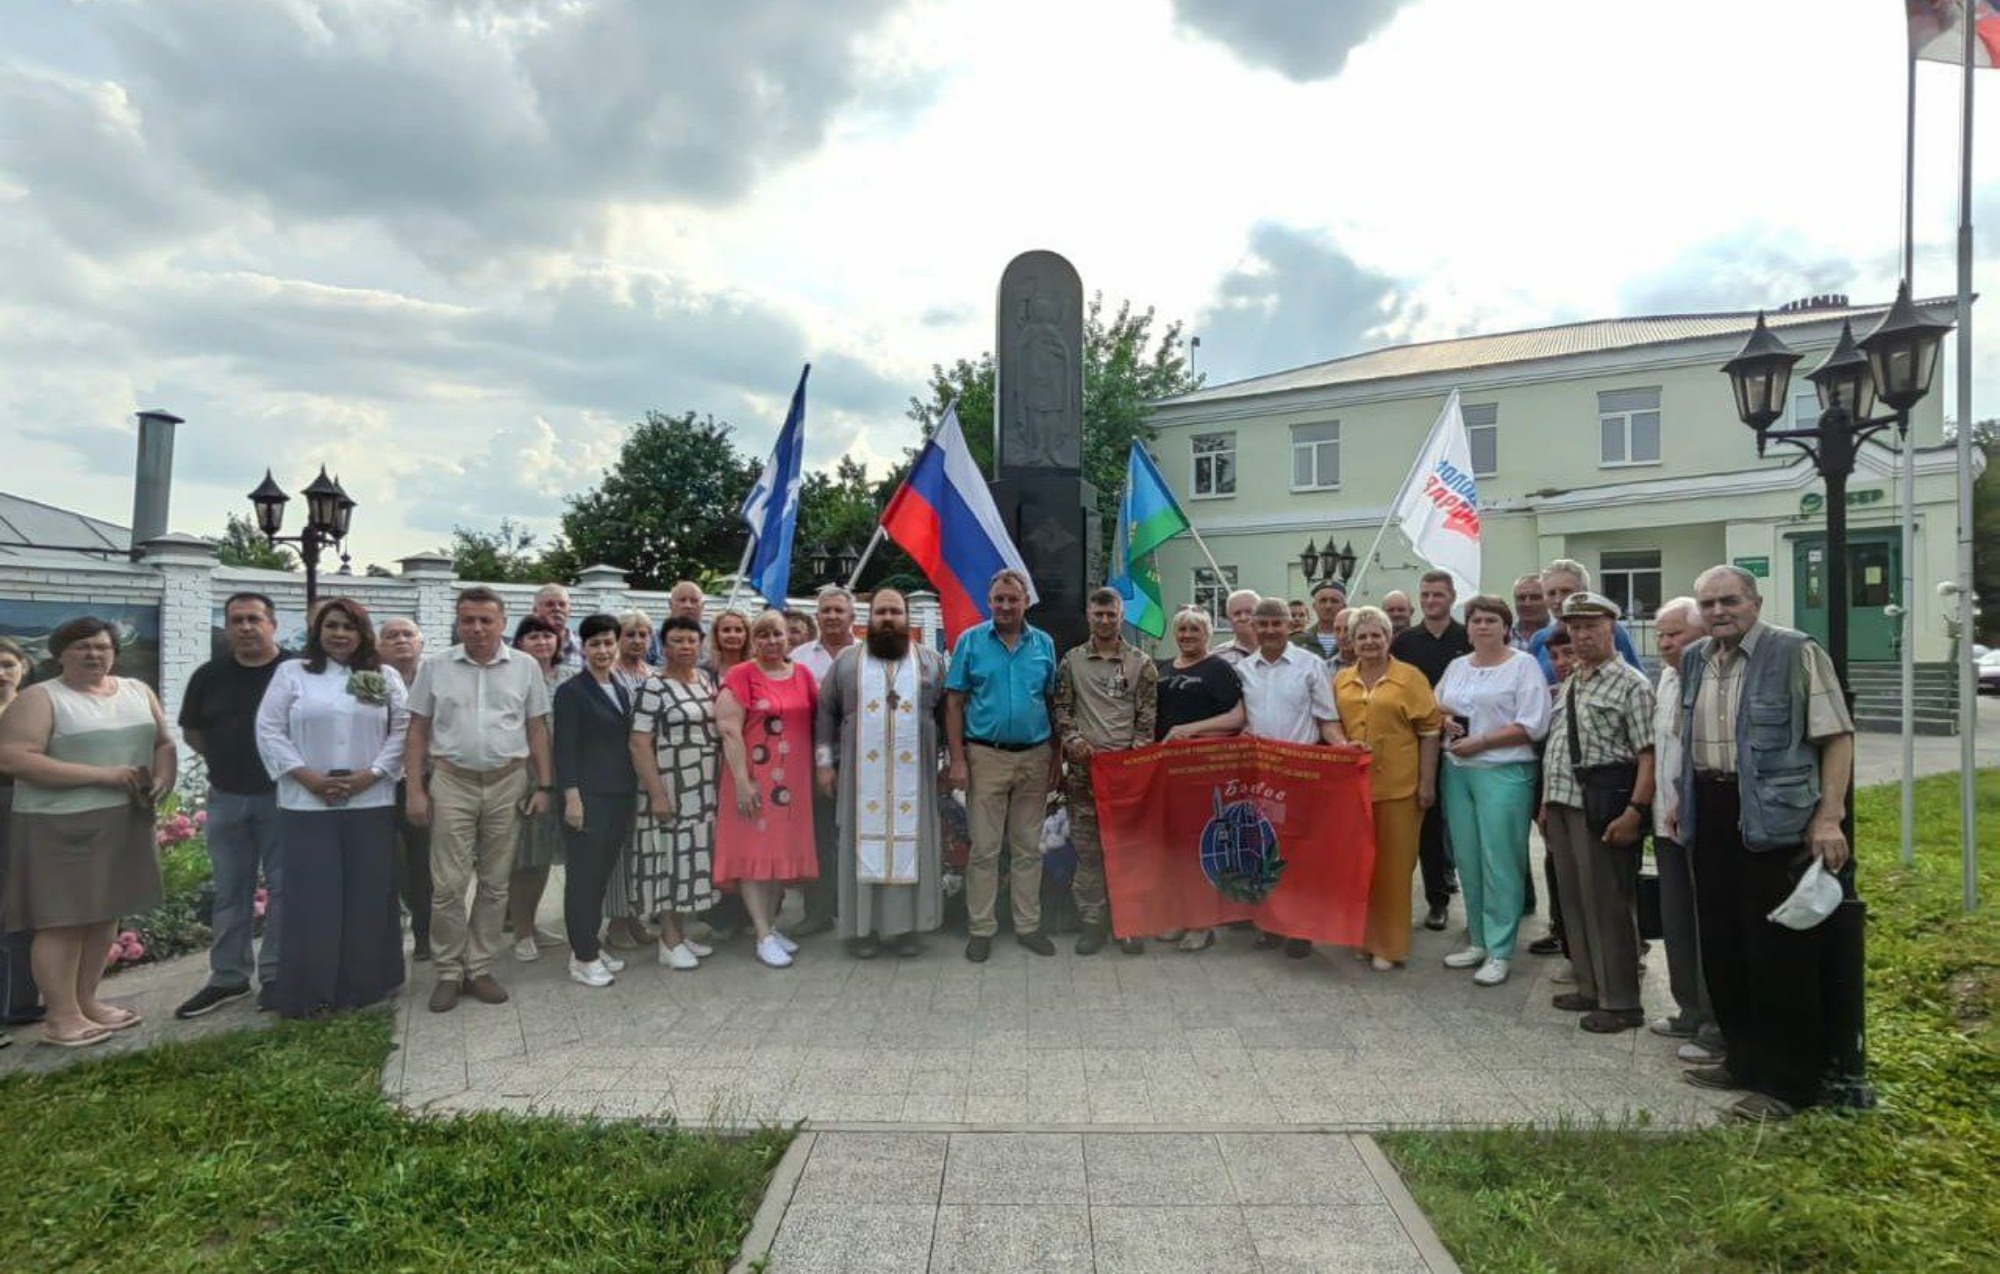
[
  {"x": 1651, "y": 924},
  {"x": 1607, "y": 789}
]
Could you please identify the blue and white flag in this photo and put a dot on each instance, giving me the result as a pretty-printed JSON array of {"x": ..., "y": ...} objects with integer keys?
[{"x": 771, "y": 510}]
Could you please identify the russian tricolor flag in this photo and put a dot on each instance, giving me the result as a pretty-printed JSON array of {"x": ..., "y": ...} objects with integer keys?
[{"x": 944, "y": 517}]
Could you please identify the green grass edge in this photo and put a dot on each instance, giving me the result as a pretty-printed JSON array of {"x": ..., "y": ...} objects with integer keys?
[
  {"x": 276, "y": 1150},
  {"x": 1909, "y": 1186}
]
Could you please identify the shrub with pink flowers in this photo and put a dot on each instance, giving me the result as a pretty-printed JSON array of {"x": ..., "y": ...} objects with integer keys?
[{"x": 180, "y": 923}]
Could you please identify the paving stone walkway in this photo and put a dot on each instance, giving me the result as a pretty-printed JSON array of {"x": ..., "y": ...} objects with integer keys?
[
  {"x": 1229, "y": 1038},
  {"x": 1160, "y": 1202}
]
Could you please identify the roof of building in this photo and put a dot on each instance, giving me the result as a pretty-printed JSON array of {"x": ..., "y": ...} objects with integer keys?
[
  {"x": 1534, "y": 344},
  {"x": 27, "y": 525}
]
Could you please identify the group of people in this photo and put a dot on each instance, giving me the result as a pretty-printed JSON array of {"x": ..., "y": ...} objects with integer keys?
[
  {"x": 698, "y": 770},
  {"x": 1737, "y": 764}
]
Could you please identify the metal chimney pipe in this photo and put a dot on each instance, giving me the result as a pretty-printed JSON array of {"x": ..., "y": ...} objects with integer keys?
[{"x": 153, "y": 476}]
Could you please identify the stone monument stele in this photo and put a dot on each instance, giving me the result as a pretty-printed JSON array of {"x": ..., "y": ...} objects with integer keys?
[{"x": 1038, "y": 438}]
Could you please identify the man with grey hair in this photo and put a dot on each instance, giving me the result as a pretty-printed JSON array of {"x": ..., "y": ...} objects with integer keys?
[
  {"x": 1675, "y": 625},
  {"x": 1397, "y": 606},
  {"x": 997, "y": 727},
  {"x": 1768, "y": 753},
  {"x": 552, "y": 607},
  {"x": 1240, "y": 609},
  {"x": 833, "y": 615},
  {"x": 1560, "y": 578}
]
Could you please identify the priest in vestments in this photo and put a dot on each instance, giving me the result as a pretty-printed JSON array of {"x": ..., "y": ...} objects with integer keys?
[{"x": 877, "y": 747}]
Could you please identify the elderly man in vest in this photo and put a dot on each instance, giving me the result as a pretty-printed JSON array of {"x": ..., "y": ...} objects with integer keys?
[{"x": 1769, "y": 753}]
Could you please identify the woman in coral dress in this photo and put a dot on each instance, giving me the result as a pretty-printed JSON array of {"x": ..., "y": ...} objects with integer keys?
[{"x": 764, "y": 835}]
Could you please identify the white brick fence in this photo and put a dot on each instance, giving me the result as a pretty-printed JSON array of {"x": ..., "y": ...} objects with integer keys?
[{"x": 180, "y": 576}]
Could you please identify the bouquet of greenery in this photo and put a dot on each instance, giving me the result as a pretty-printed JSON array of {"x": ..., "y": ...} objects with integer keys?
[{"x": 368, "y": 687}]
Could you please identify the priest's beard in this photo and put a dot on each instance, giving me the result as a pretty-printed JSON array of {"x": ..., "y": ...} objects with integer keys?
[{"x": 888, "y": 644}]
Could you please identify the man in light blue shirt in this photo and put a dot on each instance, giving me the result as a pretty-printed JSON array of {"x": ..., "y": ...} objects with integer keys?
[
  {"x": 1560, "y": 578},
  {"x": 997, "y": 727}
]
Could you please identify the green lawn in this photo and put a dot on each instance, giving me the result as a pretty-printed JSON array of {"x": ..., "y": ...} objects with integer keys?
[
  {"x": 1914, "y": 1185},
  {"x": 275, "y": 1150}
]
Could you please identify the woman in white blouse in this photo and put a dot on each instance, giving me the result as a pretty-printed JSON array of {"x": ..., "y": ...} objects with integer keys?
[
  {"x": 330, "y": 731},
  {"x": 1496, "y": 704}
]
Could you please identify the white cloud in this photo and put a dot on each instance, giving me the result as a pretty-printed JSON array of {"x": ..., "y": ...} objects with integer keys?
[{"x": 454, "y": 246}]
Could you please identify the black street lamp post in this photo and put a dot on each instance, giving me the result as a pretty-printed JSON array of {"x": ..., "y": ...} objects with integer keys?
[
  {"x": 1337, "y": 564},
  {"x": 329, "y": 510},
  {"x": 1892, "y": 364}
]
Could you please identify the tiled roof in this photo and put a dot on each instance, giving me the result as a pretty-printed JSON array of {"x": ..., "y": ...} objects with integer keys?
[
  {"x": 1590, "y": 337},
  {"x": 25, "y": 522}
]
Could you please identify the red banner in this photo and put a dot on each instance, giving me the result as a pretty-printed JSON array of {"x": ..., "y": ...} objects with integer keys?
[{"x": 1202, "y": 832}]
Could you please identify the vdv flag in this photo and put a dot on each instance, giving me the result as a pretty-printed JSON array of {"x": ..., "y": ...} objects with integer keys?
[
  {"x": 1438, "y": 508},
  {"x": 1148, "y": 517},
  {"x": 771, "y": 510},
  {"x": 944, "y": 516}
]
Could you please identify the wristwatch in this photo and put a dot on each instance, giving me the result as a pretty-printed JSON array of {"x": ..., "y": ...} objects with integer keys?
[{"x": 1636, "y": 808}]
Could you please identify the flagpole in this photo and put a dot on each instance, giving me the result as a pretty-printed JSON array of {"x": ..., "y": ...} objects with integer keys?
[
  {"x": 736, "y": 584},
  {"x": 866, "y": 553},
  {"x": 1968, "y": 685},
  {"x": 1361, "y": 571},
  {"x": 1203, "y": 546},
  {"x": 1906, "y": 622}
]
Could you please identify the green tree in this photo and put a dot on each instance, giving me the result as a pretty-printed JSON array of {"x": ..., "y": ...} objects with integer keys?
[
  {"x": 1126, "y": 367},
  {"x": 838, "y": 510},
  {"x": 1986, "y": 532},
  {"x": 505, "y": 556},
  {"x": 667, "y": 510},
  {"x": 242, "y": 544}
]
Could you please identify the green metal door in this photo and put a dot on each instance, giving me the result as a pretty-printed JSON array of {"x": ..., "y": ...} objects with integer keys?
[{"x": 1874, "y": 574}]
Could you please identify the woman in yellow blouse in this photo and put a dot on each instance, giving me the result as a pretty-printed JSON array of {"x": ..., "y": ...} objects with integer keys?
[{"x": 1388, "y": 706}]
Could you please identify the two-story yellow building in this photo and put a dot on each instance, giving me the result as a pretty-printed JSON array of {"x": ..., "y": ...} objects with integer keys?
[{"x": 1614, "y": 442}]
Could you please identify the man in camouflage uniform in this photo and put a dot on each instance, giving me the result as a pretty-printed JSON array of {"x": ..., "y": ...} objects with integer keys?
[{"x": 1105, "y": 701}]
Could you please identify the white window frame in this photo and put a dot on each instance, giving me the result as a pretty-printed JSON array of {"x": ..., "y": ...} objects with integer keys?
[
  {"x": 1625, "y": 590},
  {"x": 1329, "y": 431},
  {"x": 1482, "y": 418},
  {"x": 1211, "y": 596},
  {"x": 1214, "y": 456},
  {"x": 1623, "y": 418}
]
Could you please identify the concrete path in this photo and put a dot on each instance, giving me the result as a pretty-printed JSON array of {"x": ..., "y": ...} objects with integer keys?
[{"x": 966, "y": 1203}]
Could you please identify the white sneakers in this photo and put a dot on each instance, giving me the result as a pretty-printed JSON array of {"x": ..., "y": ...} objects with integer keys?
[
  {"x": 771, "y": 951},
  {"x": 791, "y": 948},
  {"x": 525, "y": 949},
  {"x": 610, "y": 961},
  {"x": 1465, "y": 958},
  {"x": 680, "y": 958},
  {"x": 1492, "y": 973},
  {"x": 701, "y": 949},
  {"x": 592, "y": 974}
]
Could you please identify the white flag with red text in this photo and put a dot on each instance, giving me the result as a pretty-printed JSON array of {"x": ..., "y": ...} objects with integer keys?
[{"x": 1438, "y": 508}]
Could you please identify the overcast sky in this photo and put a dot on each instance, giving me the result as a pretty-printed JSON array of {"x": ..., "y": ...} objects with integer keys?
[{"x": 454, "y": 249}]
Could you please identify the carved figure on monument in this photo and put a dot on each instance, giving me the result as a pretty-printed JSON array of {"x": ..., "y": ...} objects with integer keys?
[
  {"x": 1040, "y": 408},
  {"x": 1042, "y": 388}
]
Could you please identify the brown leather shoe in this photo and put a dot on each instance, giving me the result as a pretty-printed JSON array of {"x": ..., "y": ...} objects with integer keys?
[
  {"x": 484, "y": 989},
  {"x": 444, "y": 996}
]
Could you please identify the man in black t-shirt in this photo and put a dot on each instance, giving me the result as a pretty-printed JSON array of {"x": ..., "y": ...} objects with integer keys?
[
  {"x": 1430, "y": 645},
  {"x": 219, "y": 720}
]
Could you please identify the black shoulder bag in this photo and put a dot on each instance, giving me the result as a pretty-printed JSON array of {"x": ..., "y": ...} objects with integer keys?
[{"x": 1607, "y": 789}]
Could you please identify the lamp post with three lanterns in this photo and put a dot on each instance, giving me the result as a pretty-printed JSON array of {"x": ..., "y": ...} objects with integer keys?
[
  {"x": 329, "y": 509},
  {"x": 1338, "y": 564},
  {"x": 1893, "y": 365}
]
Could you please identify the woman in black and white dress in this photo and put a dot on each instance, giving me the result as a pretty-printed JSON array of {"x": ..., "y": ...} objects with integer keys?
[{"x": 676, "y": 752}]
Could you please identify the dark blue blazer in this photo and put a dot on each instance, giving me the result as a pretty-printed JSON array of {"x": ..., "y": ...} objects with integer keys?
[{"x": 593, "y": 738}]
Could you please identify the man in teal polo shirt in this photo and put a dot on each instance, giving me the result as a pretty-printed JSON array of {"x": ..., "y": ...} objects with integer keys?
[{"x": 996, "y": 719}]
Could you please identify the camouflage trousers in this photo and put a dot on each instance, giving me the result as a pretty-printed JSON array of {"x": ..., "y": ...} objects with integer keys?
[{"x": 1087, "y": 886}]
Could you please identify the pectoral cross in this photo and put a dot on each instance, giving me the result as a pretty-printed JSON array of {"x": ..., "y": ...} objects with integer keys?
[{"x": 894, "y": 699}]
